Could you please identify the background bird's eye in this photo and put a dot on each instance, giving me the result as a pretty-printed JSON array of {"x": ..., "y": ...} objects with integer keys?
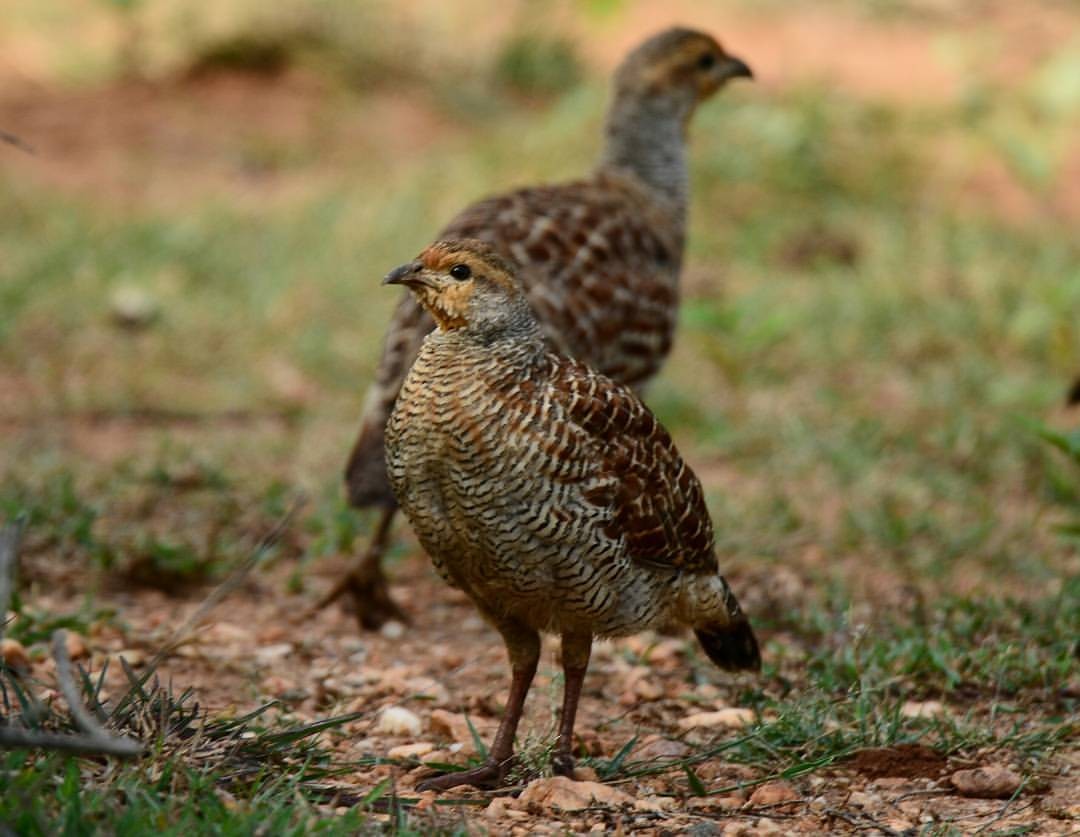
[
  {"x": 460, "y": 271},
  {"x": 707, "y": 61}
]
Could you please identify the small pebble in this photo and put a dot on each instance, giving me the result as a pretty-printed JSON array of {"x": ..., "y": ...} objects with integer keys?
[
  {"x": 76, "y": 645},
  {"x": 392, "y": 630},
  {"x": 656, "y": 747},
  {"x": 411, "y": 751},
  {"x": 133, "y": 656},
  {"x": 14, "y": 654},
  {"x": 731, "y": 718},
  {"x": 923, "y": 709},
  {"x": 773, "y": 793},
  {"x": 990, "y": 782},
  {"x": 132, "y": 307},
  {"x": 396, "y": 720},
  {"x": 272, "y": 653}
]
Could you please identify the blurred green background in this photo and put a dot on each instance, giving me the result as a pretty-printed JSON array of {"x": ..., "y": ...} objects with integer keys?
[
  {"x": 882, "y": 295},
  {"x": 881, "y": 321}
]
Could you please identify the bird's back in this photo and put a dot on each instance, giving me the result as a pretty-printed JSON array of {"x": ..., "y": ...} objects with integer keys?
[{"x": 599, "y": 261}]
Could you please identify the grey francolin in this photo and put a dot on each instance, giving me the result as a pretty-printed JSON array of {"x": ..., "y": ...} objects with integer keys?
[
  {"x": 599, "y": 260},
  {"x": 545, "y": 491}
]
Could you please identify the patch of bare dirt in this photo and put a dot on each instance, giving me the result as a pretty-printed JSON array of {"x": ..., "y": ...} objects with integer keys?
[
  {"x": 897, "y": 57},
  {"x": 249, "y": 137},
  {"x": 415, "y": 687},
  {"x": 230, "y": 134},
  {"x": 905, "y": 761}
]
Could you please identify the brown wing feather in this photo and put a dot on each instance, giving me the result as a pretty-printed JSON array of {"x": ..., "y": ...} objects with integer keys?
[
  {"x": 656, "y": 502},
  {"x": 599, "y": 261}
]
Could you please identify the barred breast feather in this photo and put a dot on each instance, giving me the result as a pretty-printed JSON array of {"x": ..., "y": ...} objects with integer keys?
[{"x": 542, "y": 486}]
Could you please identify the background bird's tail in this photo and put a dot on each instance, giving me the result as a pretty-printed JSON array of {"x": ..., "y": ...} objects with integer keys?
[
  {"x": 719, "y": 623},
  {"x": 366, "y": 482},
  {"x": 1073, "y": 398},
  {"x": 731, "y": 645},
  {"x": 365, "y": 473}
]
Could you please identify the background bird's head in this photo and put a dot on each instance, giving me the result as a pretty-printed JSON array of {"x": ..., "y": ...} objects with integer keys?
[
  {"x": 683, "y": 64},
  {"x": 465, "y": 284}
]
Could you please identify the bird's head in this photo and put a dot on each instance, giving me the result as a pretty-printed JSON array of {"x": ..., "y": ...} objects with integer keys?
[
  {"x": 465, "y": 284},
  {"x": 679, "y": 63}
]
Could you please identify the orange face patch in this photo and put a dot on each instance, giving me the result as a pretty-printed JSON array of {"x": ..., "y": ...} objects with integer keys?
[
  {"x": 448, "y": 298},
  {"x": 449, "y": 304}
]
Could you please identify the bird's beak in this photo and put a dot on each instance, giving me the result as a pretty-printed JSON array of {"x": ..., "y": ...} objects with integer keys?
[
  {"x": 407, "y": 274},
  {"x": 735, "y": 68}
]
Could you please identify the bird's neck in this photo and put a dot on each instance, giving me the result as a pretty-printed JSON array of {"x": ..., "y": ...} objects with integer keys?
[
  {"x": 646, "y": 136},
  {"x": 510, "y": 344}
]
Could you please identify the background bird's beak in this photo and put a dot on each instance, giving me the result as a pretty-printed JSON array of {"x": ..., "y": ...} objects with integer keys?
[
  {"x": 404, "y": 275},
  {"x": 736, "y": 68}
]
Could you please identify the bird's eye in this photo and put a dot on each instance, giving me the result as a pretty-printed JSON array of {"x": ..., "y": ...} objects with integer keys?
[
  {"x": 706, "y": 61},
  {"x": 461, "y": 271}
]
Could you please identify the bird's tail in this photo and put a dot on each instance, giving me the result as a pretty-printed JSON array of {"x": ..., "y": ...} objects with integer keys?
[
  {"x": 1073, "y": 398},
  {"x": 731, "y": 645},
  {"x": 720, "y": 625},
  {"x": 366, "y": 482}
]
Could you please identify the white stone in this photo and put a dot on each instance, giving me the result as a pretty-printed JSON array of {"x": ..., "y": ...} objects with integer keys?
[
  {"x": 923, "y": 709},
  {"x": 411, "y": 751},
  {"x": 272, "y": 653},
  {"x": 397, "y": 720},
  {"x": 731, "y": 718}
]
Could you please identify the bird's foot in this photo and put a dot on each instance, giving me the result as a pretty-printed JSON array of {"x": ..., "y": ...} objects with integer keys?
[
  {"x": 367, "y": 587},
  {"x": 488, "y": 776},
  {"x": 371, "y": 597},
  {"x": 563, "y": 765}
]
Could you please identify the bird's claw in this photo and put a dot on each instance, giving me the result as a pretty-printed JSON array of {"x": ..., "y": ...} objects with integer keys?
[
  {"x": 367, "y": 586},
  {"x": 488, "y": 776},
  {"x": 563, "y": 765},
  {"x": 372, "y": 600}
]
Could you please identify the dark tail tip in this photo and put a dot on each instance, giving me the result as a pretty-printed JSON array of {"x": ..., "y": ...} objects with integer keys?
[
  {"x": 733, "y": 646},
  {"x": 1073, "y": 398}
]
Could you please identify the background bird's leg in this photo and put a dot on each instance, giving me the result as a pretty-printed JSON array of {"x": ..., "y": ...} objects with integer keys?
[
  {"x": 523, "y": 648},
  {"x": 366, "y": 583},
  {"x": 575, "y": 660}
]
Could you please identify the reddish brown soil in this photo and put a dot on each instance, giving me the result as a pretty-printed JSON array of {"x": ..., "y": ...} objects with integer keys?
[
  {"x": 240, "y": 136},
  {"x": 904, "y": 761},
  {"x": 259, "y": 644},
  {"x": 254, "y": 137}
]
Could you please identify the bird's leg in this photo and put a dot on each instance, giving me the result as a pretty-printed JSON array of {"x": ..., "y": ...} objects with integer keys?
[
  {"x": 575, "y": 660},
  {"x": 366, "y": 583},
  {"x": 523, "y": 647}
]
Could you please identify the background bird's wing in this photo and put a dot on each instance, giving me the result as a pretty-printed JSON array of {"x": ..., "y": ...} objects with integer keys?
[
  {"x": 656, "y": 502},
  {"x": 598, "y": 260},
  {"x": 590, "y": 255},
  {"x": 365, "y": 472}
]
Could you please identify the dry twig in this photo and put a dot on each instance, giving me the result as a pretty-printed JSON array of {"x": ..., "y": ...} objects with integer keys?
[
  {"x": 183, "y": 632},
  {"x": 11, "y": 139},
  {"x": 10, "y": 536},
  {"x": 94, "y": 739}
]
